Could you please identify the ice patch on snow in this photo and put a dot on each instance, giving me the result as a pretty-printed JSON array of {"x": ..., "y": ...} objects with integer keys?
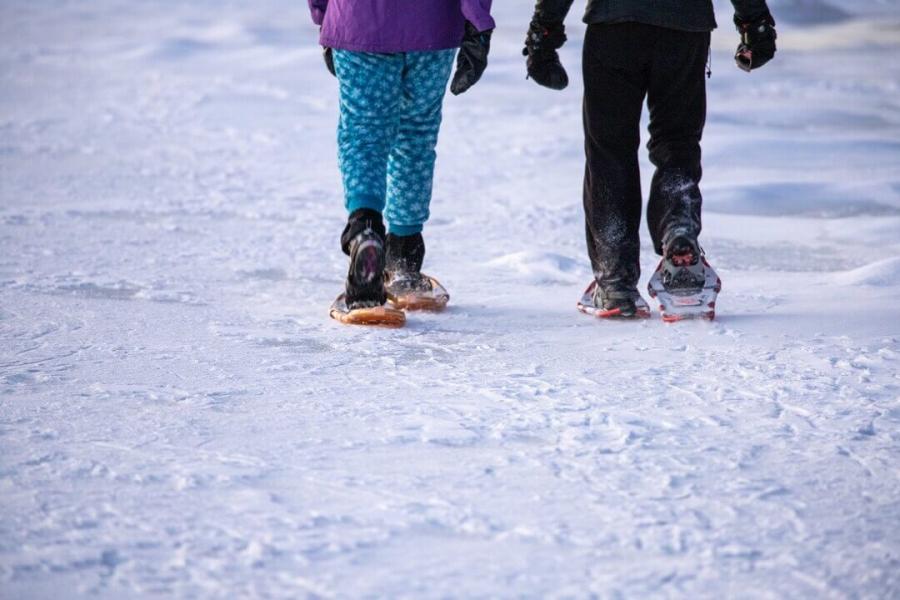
[
  {"x": 883, "y": 273},
  {"x": 795, "y": 12},
  {"x": 541, "y": 267},
  {"x": 794, "y": 199},
  {"x": 264, "y": 274},
  {"x": 807, "y": 12},
  {"x": 811, "y": 25},
  {"x": 854, "y": 33}
]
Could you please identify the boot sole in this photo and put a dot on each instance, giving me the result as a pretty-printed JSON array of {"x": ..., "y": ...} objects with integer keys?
[{"x": 367, "y": 269}]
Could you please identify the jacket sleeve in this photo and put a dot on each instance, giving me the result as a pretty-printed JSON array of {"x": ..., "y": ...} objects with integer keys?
[
  {"x": 317, "y": 10},
  {"x": 478, "y": 13},
  {"x": 748, "y": 10},
  {"x": 552, "y": 11}
]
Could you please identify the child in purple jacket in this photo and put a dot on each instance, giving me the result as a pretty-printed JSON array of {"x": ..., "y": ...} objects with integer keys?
[{"x": 392, "y": 59}]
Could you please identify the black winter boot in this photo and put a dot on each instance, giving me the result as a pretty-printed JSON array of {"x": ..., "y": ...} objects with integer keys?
[
  {"x": 403, "y": 271},
  {"x": 363, "y": 240},
  {"x": 619, "y": 303},
  {"x": 405, "y": 253},
  {"x": 682, "y": 268}
]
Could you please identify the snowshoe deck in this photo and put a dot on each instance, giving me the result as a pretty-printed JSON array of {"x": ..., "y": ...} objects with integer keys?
[
  {"x": 434, "y": 299},
  {"x": 382, "y": 316},
  {"x": 680, "y": 303},
  {"x": 586, "y": 305}
]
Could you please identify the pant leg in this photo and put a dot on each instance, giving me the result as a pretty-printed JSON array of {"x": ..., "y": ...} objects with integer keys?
[
  {"x": 410, "y": 167},
  {"x": 370, "y": 93},
  {"x": 677, "y": 103},
  {"x": 615, "y": 70}
]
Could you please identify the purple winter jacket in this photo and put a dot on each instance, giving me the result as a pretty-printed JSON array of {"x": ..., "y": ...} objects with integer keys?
[{"x": 397, "y": 25}]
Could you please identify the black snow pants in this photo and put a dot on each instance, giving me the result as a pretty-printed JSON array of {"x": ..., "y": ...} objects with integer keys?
[{"x": 623, "y": 64}]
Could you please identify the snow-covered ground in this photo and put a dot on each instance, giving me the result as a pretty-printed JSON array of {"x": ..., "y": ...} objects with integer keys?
[{"x": 178, "y": 415}]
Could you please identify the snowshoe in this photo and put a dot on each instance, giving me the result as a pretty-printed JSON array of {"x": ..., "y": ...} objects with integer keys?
[
  {"x": 415, "y": 291},
  {"x": 363, "y": 301},
  {"x": 614, "y": 305},
  {"x": 383, "y": 316},
  {"x": 406, "y": 286},
  {"x": 684, "y": 283}
]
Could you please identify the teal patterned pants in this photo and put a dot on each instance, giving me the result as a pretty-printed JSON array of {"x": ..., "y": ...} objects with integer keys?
[{"x": 390, "y": 117}]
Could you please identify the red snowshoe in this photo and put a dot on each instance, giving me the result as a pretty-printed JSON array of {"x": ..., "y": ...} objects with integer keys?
[
  {"x": 684, "y": 284},
  {"x": 630, "y": 305}
]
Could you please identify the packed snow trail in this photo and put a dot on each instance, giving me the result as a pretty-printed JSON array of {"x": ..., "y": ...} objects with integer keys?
[{"x": 179, "y": 416}]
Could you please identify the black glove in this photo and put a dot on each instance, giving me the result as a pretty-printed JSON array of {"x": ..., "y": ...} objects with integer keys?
[
  {"x": 328, "y": 55},
  {"x": 757, "y": 45},
  {"x": 472, "y": 59},
  {"x": 541, "y": 44}
]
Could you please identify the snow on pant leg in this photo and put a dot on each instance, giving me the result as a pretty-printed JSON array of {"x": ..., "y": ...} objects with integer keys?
[
  {"x": 677, "y": 103},
  {"x": 411, "y": 163},
  {"x": 615, "y": 65},
  {"x": 370, "y": 96}
]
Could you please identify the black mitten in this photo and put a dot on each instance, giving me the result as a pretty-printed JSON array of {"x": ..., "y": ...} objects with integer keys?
[
  {"x": 472, "y": 59},
  {"x": 757, "y": 45},
  {"x": 541, "y": 44}
]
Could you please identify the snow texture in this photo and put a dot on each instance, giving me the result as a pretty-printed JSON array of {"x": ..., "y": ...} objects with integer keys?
[{"x": 179, "y": 417}]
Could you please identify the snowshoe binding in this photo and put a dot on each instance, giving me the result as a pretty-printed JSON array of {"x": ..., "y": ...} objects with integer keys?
[
  {"x": 684, "y": 283},
  {"x": 613, "y": 304},
  {"x": 363, "y": 302},
  {"x": 406, "y": 286}
]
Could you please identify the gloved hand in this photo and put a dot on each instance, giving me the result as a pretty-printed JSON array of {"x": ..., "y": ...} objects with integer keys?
[
  {"x": 328, "y": 55},
  {"x": 472, "y": 59},
  {"x": 757, "y": 45},
  {"x": 541, "y": 44}
]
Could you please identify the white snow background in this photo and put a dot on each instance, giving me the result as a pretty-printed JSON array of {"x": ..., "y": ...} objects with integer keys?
[{"x": 179, "y": 417}]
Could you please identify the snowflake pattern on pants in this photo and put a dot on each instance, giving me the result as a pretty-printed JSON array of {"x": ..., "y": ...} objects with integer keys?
[{"x": 390, "y": 115}]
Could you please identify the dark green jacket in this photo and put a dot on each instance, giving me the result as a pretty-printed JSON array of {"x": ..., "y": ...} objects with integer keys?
[{"x": 686, "y": 15}]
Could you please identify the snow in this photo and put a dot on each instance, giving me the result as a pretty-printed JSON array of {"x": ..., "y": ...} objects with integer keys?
[
  {"x": 883, "y": 273},
  {"x": 178, "y": 415}
]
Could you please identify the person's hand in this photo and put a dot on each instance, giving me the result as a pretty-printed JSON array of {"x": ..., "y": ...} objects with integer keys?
[
  {"x": 541, "y": 44},
  {"x": 328, "y": 55},
  {"x": 757, "y": 45},
  {"x": 472, "y": 59}
]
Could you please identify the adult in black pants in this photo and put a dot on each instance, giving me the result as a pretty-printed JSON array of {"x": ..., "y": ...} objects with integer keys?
[{"x": 637, "y": 49}]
